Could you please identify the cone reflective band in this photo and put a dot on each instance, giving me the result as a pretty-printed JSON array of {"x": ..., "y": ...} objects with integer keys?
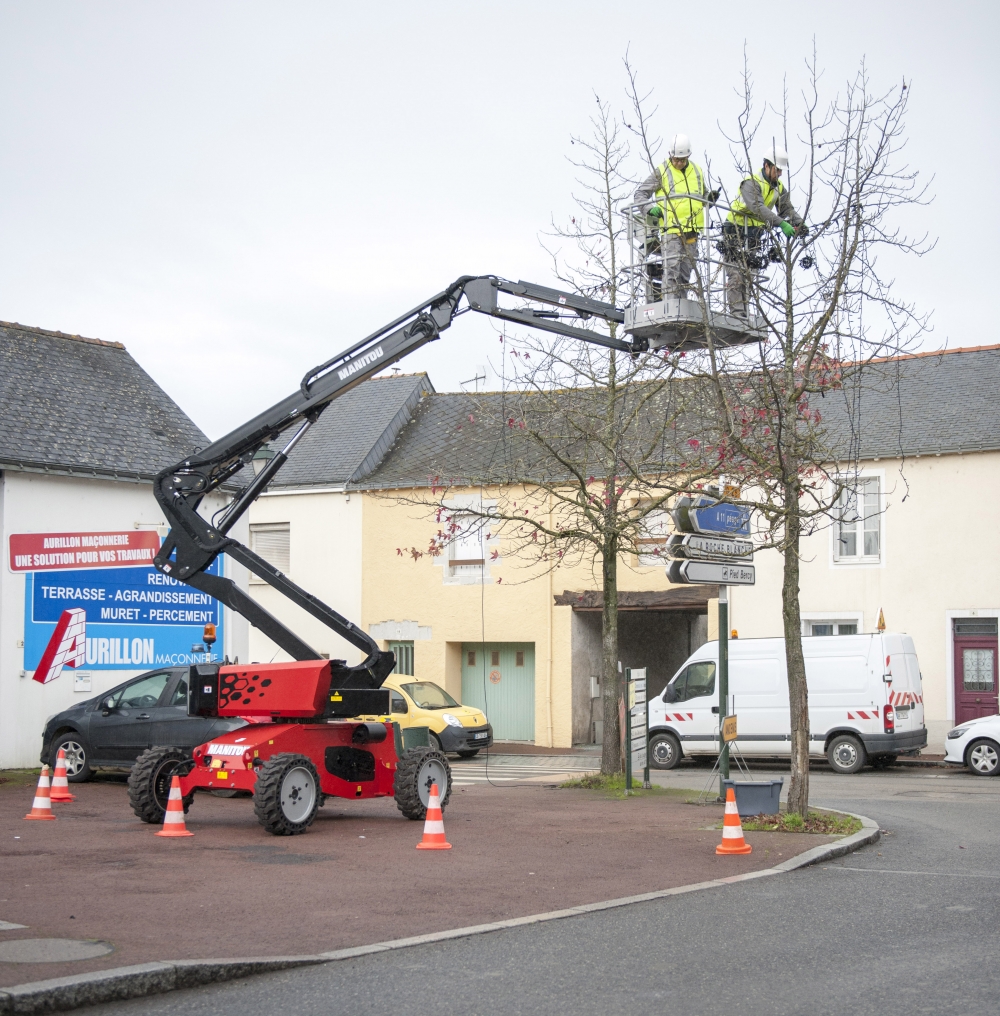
[
  {"x": 60, "y": 785},
  {"x": 434, "y": 825},
  {"x": 41, "y": 807},
  {"x": 732, "y": 829},
  {"x": 173, "y": 819}
]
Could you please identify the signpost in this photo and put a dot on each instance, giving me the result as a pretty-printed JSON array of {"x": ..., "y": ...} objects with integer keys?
[
  {"x": 711, "y": 546},
  {"x": 636, "y": 757}
]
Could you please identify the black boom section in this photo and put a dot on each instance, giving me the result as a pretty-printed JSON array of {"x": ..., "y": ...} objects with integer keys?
[{"x": 193, "y": 542}]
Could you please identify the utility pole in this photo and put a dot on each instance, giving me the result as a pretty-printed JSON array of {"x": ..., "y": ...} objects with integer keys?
[{"x": 723, "y": 686}]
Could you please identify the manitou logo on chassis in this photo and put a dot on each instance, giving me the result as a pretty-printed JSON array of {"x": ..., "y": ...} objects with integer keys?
[
  {"x": 66, "y": 648},
  {"x": 361, "y": 361}
]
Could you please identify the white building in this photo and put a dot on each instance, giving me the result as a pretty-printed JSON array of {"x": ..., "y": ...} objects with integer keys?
[
  {"x": 83, "y": 431},
  {"x": 920, "y": 541}
]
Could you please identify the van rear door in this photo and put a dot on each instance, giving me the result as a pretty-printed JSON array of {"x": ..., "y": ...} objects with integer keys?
[{"x": 905, "y": 692}]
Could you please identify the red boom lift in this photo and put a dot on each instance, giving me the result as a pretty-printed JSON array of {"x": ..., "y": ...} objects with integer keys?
[{"x": 307, "y": 747}]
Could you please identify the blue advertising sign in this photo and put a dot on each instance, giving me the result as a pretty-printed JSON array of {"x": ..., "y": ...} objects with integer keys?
[{"x": 136, "y": 618}]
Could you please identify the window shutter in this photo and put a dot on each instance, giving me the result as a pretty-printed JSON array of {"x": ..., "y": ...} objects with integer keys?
[{"x": 272, "y": 542}]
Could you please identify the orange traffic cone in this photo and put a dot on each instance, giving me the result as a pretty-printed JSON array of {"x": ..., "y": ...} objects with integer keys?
[
  {"x": 732, "y": 829},
  {"x": 173, "y": 820},
  {"x": 41, "y": 807},
  {"x": 60, "y": 785},
  {"x": 434, "y": 825}
]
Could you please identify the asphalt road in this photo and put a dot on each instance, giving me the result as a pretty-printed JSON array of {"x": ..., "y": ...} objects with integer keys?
[{"x": 907, "y": 926}]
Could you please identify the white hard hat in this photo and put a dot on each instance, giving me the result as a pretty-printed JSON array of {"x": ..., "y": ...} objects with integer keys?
[
  {"x": 777, "y": 156},
  {"x": 680, "y": 146}
]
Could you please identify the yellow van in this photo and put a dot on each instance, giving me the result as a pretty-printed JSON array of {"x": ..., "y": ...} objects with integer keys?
[{"x": 453, "y": 727}]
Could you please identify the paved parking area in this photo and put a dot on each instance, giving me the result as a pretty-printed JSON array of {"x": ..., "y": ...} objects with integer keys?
[{"x": 520, "y": 847}]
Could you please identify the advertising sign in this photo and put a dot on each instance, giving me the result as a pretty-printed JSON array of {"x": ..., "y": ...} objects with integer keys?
[{"x": 119, "y": 614}]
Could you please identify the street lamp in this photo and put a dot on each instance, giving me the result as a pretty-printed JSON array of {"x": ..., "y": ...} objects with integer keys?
[{"x": 261, "y": 458}]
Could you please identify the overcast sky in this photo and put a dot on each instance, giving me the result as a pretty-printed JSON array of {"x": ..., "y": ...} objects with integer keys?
[{"x": 237, "y": 190}]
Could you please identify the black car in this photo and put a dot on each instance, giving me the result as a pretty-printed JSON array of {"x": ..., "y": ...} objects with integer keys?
[{"x": 115, "y": 728}]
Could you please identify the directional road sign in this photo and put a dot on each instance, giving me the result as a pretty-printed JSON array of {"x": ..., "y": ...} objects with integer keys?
[
  {"x": 709, "y": 548},
  {"x": 708, "y": 516},
  {"x": 717, "y": 573}
]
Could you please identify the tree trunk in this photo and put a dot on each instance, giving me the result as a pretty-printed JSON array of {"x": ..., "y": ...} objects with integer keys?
[
  {"x": 611, "y": 680},
  {"x": 798, "y": 693}
]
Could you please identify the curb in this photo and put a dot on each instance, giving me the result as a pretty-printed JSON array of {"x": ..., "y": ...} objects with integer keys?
[{"x": 118, "y": 984}]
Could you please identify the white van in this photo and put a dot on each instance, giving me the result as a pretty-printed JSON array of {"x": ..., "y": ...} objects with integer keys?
[{"x": 866, "y": 701}]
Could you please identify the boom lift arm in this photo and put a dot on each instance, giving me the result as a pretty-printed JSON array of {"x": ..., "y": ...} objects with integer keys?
[{"x": 193, "y": 542}]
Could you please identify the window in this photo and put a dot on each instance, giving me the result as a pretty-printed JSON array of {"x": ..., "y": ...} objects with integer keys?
[
  {"x": 975, "y": 625},
  {"x": 404, "y": 657},
  {"x": 429, "y": 695},
  {"x": 143, "y": 694},
  {"x": 832, "y": 627},
  {"x": 977, "y": 669},
  {"x": 654, "y": 534},
  {"x": 495, "y": 658},
  {"x": 467, "y": 548},
  {"x": 695, "y": 681},
  {"x": 471, "y": 657},
  {"x": 272, "y": 542},
  {"x": 397, "y": 704},
  {"x": 858, "y": 530},
  {"x": 180, "y": 696},
  {"x": 519, "y": 658}
]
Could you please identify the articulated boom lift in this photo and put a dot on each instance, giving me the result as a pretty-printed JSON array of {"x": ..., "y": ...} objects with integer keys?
[{"x": 305, "y": 748}]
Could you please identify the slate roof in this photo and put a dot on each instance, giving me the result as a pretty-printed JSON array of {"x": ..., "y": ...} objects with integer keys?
[
  {"x": 81, "y": 406},
  {"x": 354, "y": 433},
  {"x": 928, "y": 403}
]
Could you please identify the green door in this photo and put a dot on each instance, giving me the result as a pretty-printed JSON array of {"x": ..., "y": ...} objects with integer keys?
[{"x": 499, "y": 678}]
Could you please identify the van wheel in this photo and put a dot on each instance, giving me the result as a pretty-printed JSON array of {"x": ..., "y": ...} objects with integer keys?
[
  {"x": 846, "y": 754},
  {"x": 664, "y": 751},
  {"x": 983, "y": 758}
]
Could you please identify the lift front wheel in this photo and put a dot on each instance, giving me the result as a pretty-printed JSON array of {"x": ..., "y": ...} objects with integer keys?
[
  {"x": 416, "y": 772},
  {"x": 149, "y": 782},
  {"x": 287, "y": 795}
]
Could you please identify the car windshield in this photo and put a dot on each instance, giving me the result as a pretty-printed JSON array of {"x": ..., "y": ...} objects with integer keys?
[{"x": 429, "y": 695}]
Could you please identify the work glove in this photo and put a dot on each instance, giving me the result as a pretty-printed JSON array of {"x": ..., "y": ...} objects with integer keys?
[
  {"x": 713, "y": 196},
  {"x": 788, "y": 229},
  {"x": 656, "y": 212}
]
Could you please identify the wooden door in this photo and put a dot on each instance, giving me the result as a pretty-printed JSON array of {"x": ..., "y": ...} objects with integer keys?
[{"x": 975, "y": 676}]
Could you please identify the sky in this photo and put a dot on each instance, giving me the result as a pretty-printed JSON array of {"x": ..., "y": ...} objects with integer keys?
[{"x": 239, "y": 190}]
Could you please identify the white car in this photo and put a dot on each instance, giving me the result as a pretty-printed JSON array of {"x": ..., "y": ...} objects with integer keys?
[{"x": 975, "y": 744}]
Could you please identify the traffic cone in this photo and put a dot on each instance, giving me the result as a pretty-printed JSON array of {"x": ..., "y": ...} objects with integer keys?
[
  {"x": 41, "y": 807},
  {"x": 173, "y": 820},
  {"x": 434, "y": 825},
  {"x": 732, "y": 829},
  {"x": 60, "y": 785}
]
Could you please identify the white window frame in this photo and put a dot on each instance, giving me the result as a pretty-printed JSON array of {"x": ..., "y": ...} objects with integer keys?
[
  {"x": 862, "y": 560},
  {"x": 653, "y": 539},
  {"x": 463, "y": 571},
  {"x": 832, "y": 617},
  {"x": 270, "y": 527}
]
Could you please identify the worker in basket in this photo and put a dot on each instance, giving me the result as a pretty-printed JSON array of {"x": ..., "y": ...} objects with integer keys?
[
  {"x": 763, "y": 204},
  {"x": 673, "y": 197}
]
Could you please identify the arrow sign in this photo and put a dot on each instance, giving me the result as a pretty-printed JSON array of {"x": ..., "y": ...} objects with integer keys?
[
  {"x": 704, "y": 515},
  {"x": 696, "y": 572},
  {"x": 709, "y": 548}
]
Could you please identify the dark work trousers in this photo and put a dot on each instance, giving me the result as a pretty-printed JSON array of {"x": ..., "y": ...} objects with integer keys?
[{"x": 743, "y": 256}]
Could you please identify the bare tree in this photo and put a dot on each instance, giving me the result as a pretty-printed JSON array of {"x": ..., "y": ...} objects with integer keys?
[
  {"x": 828, "y": 316},
  {"x": 589, "y": 443}
]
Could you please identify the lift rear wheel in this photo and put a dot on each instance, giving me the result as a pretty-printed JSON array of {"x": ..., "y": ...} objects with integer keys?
[
  {"x": 149, "y": 782},
  {"x": 287, "y": 794},
  {"x": 416, "y": 771}
]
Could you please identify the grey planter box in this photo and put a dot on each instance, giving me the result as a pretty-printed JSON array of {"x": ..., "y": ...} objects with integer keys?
[{"x": 756, "y": 797}]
